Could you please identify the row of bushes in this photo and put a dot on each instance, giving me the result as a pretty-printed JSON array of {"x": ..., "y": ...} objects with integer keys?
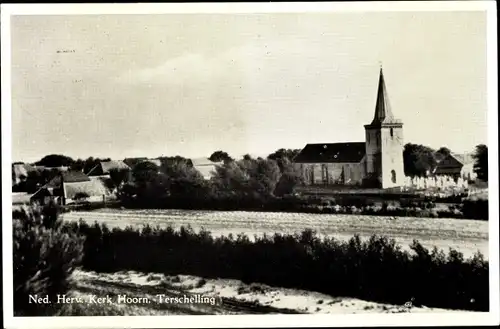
[
  {"x": 46, "y": 251},
  {"x": 469, "y": 209},
  {"x": 376, "y": 269}
]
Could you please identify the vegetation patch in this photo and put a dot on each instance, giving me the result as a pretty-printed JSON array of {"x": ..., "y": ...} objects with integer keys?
[
  {"x": 376, "y": 269},
  {"x": 45, "y": 255}
]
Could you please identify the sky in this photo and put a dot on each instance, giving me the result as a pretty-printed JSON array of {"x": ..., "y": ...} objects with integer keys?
[{"x": 189, "y": 84}]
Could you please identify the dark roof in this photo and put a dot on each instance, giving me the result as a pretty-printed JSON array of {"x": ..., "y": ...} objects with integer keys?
[
  {"x": 68, "y": 177},
  {"x": 439, "y": 156},
  {"x": 332, "y": 153},
  {"x": 132, "y": 162},
  {"x": 453, "y": 162}
]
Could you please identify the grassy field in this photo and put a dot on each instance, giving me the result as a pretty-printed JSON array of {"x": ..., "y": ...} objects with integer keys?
[{"x": 467, "y": 236}]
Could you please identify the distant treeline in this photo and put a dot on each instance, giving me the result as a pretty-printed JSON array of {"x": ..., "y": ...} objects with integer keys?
[
  {"x": 257, "y": 184},
  {"x": 418, "y": 160}
]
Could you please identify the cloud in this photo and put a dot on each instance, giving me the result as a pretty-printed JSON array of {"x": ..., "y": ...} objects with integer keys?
[{"x": 259, "y": 58}]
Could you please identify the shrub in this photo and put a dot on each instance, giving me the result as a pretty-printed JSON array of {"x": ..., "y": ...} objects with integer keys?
[
  {"x": 376, "y": 269},
  {"x": 371, "y": 181},
  {"x": 45, "y": 255},
  {"x": 475, "y": 209}
]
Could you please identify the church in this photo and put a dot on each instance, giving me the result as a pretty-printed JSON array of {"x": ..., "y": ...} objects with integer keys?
[{"x": 376, "y": 162}]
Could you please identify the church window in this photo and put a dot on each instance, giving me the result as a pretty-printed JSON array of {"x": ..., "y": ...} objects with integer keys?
[
  {"x": 324, "y": 174},
  {"x": 393, "y": 176},
  {"x": 392, "y": 132}
]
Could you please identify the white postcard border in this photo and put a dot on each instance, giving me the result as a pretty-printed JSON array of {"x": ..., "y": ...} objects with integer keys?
[{"x": 351, "y": 320}]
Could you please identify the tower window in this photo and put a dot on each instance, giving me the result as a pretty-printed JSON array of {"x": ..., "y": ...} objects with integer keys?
[{"x": 392, "y": 132}]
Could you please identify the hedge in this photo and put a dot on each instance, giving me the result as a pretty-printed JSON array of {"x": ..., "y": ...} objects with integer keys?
[
  {"x": 468, "y": 209},
  {"x": 376, "y": 269}
]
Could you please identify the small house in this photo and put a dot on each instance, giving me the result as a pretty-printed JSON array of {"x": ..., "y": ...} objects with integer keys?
[
  {"x": 205, "y": 167},
  {"x": 72, "y": 187},
  {"x": 456, "y": 166}
]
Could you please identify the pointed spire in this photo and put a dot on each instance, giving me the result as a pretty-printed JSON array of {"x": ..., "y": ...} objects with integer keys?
[{"x": 383, "y": 113}]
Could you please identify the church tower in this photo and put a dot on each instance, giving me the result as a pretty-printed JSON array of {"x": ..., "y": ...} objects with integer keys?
[{"x": 384, "y": 142}]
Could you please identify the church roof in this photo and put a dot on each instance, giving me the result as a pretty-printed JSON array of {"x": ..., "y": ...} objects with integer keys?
[
  {"x": 383, "y": 111},
  {"x": 332, "y": 153}
]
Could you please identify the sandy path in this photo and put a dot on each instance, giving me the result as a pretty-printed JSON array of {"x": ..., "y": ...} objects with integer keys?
[{"x": 230, "y": 296}]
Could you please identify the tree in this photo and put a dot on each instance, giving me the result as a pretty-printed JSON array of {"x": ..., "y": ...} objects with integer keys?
[
  {"x": 48, "y": 174},
  {"x": 183, "y": 179},
  {"x": 34, "y": 181},
  {"x": 481, "y": 162},
  {"x": 118, "y": 176},
  {"x": 166, "y": 161},
  {"x": 78, "y": 165},
  {"x": 263, "y": 175},
  {"x": 418, "y": 160},
  {"x": 55, "y": 160},
  {"x": 220, "y": 156},
  {"x": 444, "y": 151},
  {"x": 145, "y": 172},
  {"x": 290, "y": 178},
  {"x": 280, "y": 155},
  {"x": 230, "y": 178}
]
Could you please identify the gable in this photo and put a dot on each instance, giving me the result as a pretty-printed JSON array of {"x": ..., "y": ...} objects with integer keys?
[
  {"x": 332, "y": 153},
  {"x": 449, "y": 162},
  {"x": 91, "y": 188}
]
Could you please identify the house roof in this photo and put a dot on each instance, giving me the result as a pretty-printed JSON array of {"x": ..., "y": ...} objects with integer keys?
[
  {"x": 42, "y": 192},
  {"x": 131, "y": 162},
  {"x": 332, "y": 153},
  {"x": 104, "y": 167},
  {"x": 204, "y": 162},
  {"x": 205, "y": 167},
  {"x": 155, "y": 161},
  {"x": 464, "y": 158},
  {"x": 94, "y": 187},
  {"x": 453, "y": 161},
  {"x": 68, "y": 177}
]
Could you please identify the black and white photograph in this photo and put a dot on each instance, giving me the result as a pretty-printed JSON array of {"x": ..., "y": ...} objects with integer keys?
[{"x": 199, "y": 161}]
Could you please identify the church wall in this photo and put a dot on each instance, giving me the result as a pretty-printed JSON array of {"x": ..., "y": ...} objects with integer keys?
[
  {"x": 331, "y": 173},
  {"x": 372, "y": 140},
  {"x": 392, "y": 157}
]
